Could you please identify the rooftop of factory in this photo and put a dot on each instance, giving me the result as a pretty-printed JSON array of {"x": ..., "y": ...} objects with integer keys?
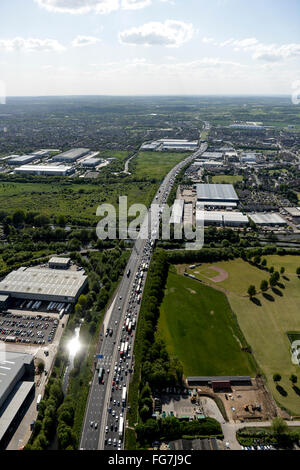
[
  {"x": 43, "y": 281},
  {"x": 267, "y": 219},
  {"x": 220, "y": 192}
]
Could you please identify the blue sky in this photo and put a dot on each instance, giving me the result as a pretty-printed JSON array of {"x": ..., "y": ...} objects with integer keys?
[{"x": 56, "y": 47}]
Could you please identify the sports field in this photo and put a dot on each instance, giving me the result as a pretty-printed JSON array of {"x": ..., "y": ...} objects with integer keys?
[
  {"x": 227, "y": 179},
  {"x": 266, "y": 321},
  {"x": 199, "y": 328}
]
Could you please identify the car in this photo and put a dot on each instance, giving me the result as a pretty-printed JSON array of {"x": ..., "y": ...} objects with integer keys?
[
  {"x": 109, "y": 441},
  {"x": 96, "y": 425},
  {"x": 111, "y": 427},
  {"x": 227, "y": 445},
  {"x": 115, "y": 402},
  {"x": 109, "y": 410},
  {"x": 115, "y": 442},
  {"x": 113, "y": 412},
  {"x": 92, "y": 423}
]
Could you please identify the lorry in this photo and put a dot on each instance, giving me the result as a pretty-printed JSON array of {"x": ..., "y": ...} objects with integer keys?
[
  {"x": 124, "y": 395},
  {"x": 38, "y": 401},
  {"x": 121, "y": 427}
]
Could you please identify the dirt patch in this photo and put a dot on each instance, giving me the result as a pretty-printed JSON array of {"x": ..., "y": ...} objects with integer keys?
[
  {"x": 222, "y": 276},
  {"x": 212, "y": 312},
  {"x": 191, "y": 290},
  {"x": 172, "y": 290}
]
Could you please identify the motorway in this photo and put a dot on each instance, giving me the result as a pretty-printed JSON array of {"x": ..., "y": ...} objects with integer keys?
[{"x": 104, "y": 406}]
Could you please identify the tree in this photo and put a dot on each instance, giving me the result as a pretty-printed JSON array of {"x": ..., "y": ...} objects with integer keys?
[
  {"x": 279, "y": 427},
  {"x": 277, "y": 377},
  {"x": 274, "y": 279},
  {"x": 264, "y": 262},
  {"x": 82, "y": 301},
  {"x": 18, "y": 217},
  {"x": 61, "y": 220},
  {"x": 264, "y": 286},
  {"x": 293, "y": 378},
  {"x": 271, "y": 269},
  {"x": 298, "y": 271},
  {"x": 41, "y": 367},
  {"x": 282, "y": 270},
  {"x": 251, "y": 291}
]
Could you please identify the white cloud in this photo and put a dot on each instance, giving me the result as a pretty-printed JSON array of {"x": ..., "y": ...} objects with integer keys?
[
  {"x": 81, "y": 41},
  {"x": 135, "y": 4},
  {"x": 78, "y": 7},
  {"x": 260, "y": 51},
  {"x": 30, "y": 45},
  {"x": 170, "y": 34}
]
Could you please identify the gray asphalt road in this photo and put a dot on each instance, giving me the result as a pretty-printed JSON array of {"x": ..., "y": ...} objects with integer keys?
[{"x": 102, "y": 395}]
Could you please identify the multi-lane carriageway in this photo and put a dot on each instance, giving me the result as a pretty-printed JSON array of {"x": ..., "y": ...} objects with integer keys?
[{"x": 101, "y": 423}]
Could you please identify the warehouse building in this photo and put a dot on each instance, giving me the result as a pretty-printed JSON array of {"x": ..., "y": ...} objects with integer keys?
[
  {"x": 221, "y": 218},
  {"x": 216, "y": 192},
  {"x": 45, "y": 284},
  {"x": 171, "y": 144},
  {"x": 92, "y": 162},
  {"x": 45, "y": 170},
  {"x": 249, "y": 158},
  {"x": 3, "y": 302},
  {"x": 150, "y": 146},
  {"x": 220, "y": 205},
  {"x": 212, "y": 155},
  {"x": 178, "y": 144},
  {"x": 267, "y": 219},
  {"x": 22, "y": 160},
  {"x": 59, "y": 263},
  {"x": 177, "y": 212},
  {"x": 71, "y": 155},
  {"x": 16, "y": 386}
]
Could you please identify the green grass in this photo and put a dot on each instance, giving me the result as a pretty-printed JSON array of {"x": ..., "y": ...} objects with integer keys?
[
  {"x": 227, "y": 179},
  {"x": 235, "y": 282},
  {"x": 75, "y": 200},
  {"x": 199, "y": 328},
  {"x": 155, "y": 164},
  {"x": 265, "y": 325}
]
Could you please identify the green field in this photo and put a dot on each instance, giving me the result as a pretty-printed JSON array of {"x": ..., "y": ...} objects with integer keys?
[
  {"x": 226, "y": 179},
  {"x": 155, "y": 164},
  {"x": 199, "y": 328},
  {"x": 70, "y": 199},
  {"x": 266, "y": 322}
]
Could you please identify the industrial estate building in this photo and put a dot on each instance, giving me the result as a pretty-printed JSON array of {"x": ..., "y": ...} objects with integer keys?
[
  {"x": 44, "y": 284},
  {"x": 177, "y": 212},
  {"x": 221, "y": 218},
  {"x": 171, "y": 144},
  {"x": 50, "y": 170},
  {"x": 212, "y": 155},
  {"x": 71, "y": 155},
  {"x": 59, "y": 263},
  {"x": 22, "y": 160},
  {"x": 16, "y": 385},
  {"x": 92, "y": 162},
  {"x": 267, "y": 219},
  {"x": 216, "y": 192}
]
